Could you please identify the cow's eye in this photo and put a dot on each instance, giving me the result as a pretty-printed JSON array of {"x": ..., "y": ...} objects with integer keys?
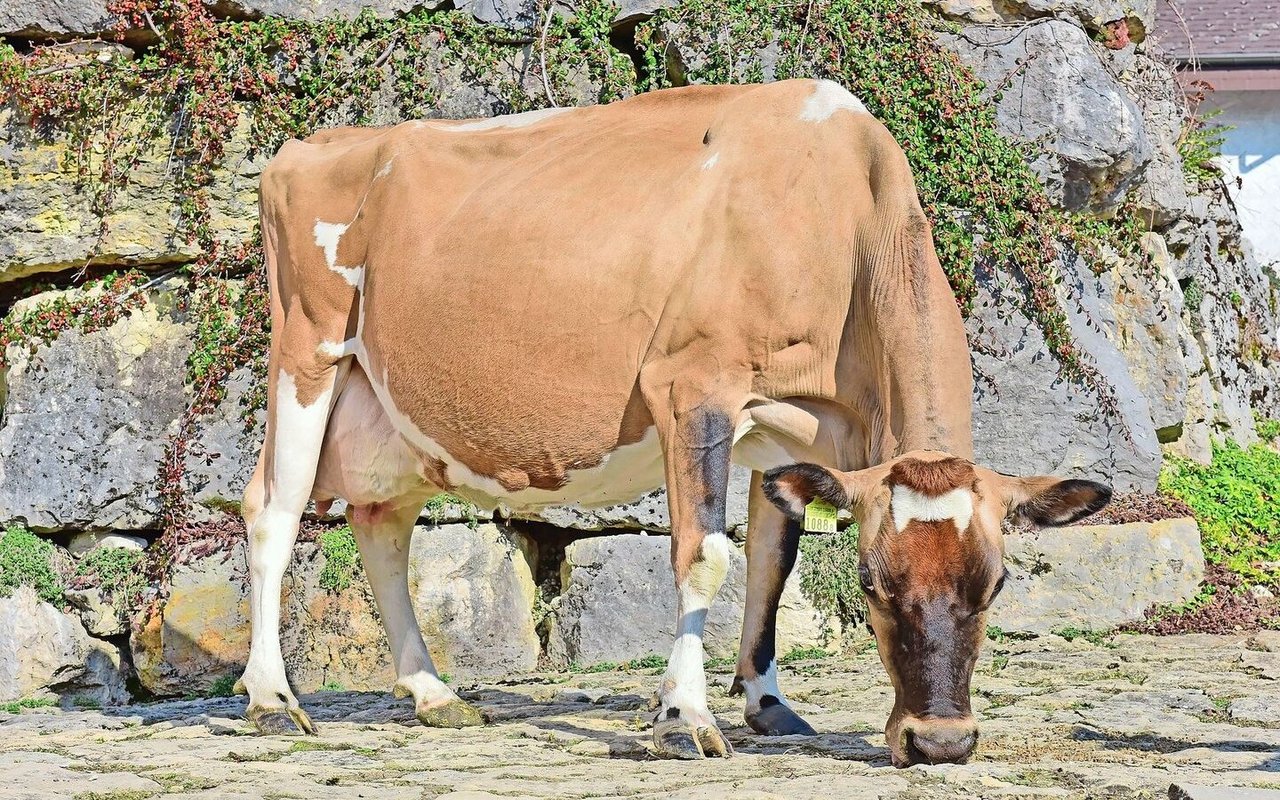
[{"x": 864, "y": 578}]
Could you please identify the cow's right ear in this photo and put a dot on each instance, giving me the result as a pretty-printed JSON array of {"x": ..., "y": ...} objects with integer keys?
[{"x": 793, "y": 487}]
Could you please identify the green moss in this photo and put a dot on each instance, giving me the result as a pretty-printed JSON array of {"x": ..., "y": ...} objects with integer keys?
[
  {"x": 341, "y": 559},
  {"x": 1268, "y": 429},
  {"x": 1100, "y": 638},
  {"x": 26, "y": 560},
  {"x": 804, "y": 654},
  {"x": 1236, "y": 501}
]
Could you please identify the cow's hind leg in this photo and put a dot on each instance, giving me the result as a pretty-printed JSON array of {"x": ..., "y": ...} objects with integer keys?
[
  {"x": 773, "y": 542},
  {"x": 383, "y": 532},
  {"x": 697, "y": 447},
  {"x": 300, "y": 401}
]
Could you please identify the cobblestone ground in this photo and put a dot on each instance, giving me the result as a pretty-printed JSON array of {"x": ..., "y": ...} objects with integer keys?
[{"x": 1059, "y": 719}]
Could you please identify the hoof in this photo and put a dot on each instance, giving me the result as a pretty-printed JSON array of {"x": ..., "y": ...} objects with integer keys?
[
  {"x": 674, "y": 738},
  {"x": 453, "y": 714},
  {"x": 779, "y": 720},
  {"x": 281, "y": 721}
]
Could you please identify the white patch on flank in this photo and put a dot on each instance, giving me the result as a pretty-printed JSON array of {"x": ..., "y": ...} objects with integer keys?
[
  {"x": 386, "y": 169},
  {"x": 711, "y": 162},
  {"x": 761, "y": 685},
  {"x": 522, "y": 120},
  {"x": 328, "y": 234},
  {"x": 908, "y": 504},
  {"x": 829, "y": 97},
  {"x": 352, "y": 275}
]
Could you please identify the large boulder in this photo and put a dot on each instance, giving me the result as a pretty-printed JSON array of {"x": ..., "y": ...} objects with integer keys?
[
  {"x": 1145, "y": 304},
  {"x": 618, "y": 602},
  {"x": 1085, "y": 135},
  {"x": 1097, "y": 577},
  {"x": 1029, "y": 418},
  {"x": 44, "y": 652},
  {"x": 1138, "y": 15},
  {"x": 473, "y": 595},
  {"x": 1231, "y": 311},
  {"x": 85, "y": 422},
  {"x": 47, "y": 213},
  {"x": 55, "y": 19},
  {"x": 1161, "y": 197}
]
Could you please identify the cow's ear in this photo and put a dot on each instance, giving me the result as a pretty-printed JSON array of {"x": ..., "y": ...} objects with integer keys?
[
  {"x": 793, "y": 487},
  {"x": 1046, "y": 501}
]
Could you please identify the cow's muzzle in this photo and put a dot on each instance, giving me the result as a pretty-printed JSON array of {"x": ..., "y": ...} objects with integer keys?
[{"x": 937, "y": 741}]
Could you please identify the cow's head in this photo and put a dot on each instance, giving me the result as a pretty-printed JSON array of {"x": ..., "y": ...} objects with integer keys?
[{"x": 931, "y": 561}]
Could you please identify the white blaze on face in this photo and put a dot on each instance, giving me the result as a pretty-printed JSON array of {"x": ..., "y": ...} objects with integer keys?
[
  {"x": 711, "y": 161},
  {"x": 908, "y": 504},
  {"x": 829, "y": 97}
]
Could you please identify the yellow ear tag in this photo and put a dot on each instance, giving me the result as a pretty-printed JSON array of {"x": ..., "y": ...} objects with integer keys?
[{"x": 820, "y": 517}]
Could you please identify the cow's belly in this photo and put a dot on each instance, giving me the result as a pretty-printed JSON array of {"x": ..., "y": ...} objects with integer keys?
[
  {"x": 622, "y": 475},
  {"x": 371, "y": 457}
]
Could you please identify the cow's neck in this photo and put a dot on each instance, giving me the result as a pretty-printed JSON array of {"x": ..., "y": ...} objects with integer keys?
[{"x": 923, "y": 374}]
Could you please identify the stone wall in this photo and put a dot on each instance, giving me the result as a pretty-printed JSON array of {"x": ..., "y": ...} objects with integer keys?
[{"x": 1185, "y": 346}]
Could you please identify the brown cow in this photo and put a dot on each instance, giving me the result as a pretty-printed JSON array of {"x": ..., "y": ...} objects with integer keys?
[{"x": 580, "y": 305}]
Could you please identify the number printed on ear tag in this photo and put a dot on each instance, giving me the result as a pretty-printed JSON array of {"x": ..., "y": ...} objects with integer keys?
[{"x": 820, "y": 517}]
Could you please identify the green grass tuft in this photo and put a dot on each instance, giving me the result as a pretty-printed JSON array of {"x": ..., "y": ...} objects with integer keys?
[
  {"x": 804, "y": 654},
  {"x": 341, "y": 559},
  {"x": 117, "y": 571},
  {"x": 16, "y": 706},
  {"x": 224, "y": 686},
  {"x": 27, "y": 560},
  {"x": 829, "y": 575}
]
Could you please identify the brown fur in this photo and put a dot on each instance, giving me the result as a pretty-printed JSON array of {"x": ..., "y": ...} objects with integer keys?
[{"x": 932, "y": 478}]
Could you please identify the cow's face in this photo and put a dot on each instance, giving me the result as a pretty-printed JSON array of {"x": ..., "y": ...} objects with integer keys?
[{"x": 930, "y": 564}]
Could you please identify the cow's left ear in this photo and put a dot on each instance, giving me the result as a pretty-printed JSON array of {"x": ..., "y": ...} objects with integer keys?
[{"x": 1046, "y": 501}]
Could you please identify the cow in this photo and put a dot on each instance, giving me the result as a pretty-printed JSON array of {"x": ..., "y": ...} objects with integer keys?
[{"x": 581, "y": 305}]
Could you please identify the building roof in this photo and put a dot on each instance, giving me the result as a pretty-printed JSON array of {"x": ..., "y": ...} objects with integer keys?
[{"x": 1222, "y": 32}]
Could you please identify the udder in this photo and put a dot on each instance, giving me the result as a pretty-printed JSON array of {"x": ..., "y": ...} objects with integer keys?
[{"x": 363, "y": 459}]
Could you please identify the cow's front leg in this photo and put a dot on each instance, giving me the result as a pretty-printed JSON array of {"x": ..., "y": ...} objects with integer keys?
[
  {"x": 697, "y": 455},
  {"x": 773, "y": 543},
  {"x": 384, "y": 533}
]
